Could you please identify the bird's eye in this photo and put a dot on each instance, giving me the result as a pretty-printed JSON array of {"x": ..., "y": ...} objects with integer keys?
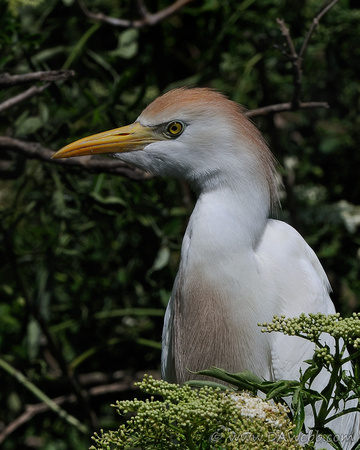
[{"x": 174, "y": 129}]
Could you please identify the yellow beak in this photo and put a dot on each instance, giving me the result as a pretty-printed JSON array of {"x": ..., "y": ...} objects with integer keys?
[{"x": 125, "y": 139}]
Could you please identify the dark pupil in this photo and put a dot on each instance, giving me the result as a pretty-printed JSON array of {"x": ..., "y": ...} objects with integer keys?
[{"x": 174, "y": 128}]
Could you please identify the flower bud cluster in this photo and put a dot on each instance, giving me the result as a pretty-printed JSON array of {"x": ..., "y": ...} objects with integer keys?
[
  {"x": 324, "y": 353},
  {"x": 311, "y": 326},
  {"x": 204, "y": 416}
]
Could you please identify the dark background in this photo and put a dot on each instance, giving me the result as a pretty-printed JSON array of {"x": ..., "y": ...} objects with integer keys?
[{"x": 87, "y": 260}]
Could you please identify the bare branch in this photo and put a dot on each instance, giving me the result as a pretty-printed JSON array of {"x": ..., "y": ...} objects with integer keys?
[
  {"x": 297, "y": 58},
  {"x": 125, "y": 383},
  {"x": 281, "y": 107},
  {"x": 147, "y": 18},
  {"x": 96, "y": 164},
  {"x": 33, "y": 90},
  {"x": 291, "y": 54},
  {"x": 295, "y": 61},
  {"x": 116, "y": 167},
  {"x": 314, "y": 24},
  {"x": 142, "y": 8},
  {"x": 38, "y": 393},
  {"x": 35, "y": 150},
  {"x": 50, "y": 75}
]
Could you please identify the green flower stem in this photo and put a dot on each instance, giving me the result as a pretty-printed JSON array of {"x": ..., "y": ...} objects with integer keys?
[
  {"x": 351, "y": 357},
  {"x": 189, "y": 440},
  {"x": 327, "y": 404}
]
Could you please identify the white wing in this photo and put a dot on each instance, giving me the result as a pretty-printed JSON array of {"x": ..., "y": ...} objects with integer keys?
[
  {"x": 301, "y": 287},
  {"x": 305, "y": 289},
  {"x": 166, "y": 344}
]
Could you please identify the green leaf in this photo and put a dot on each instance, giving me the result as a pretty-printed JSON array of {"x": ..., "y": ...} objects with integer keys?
[
  {"x": 242, "y": 380},
  {"x": 28, "y": 126},
  {"x": 280, "y": 388},
  {"x": 161, "y": 260},
  {"x": 311, "y": 372},
  {"x": 127, "y": 44},
  {"x": 311, "y": 394},
  {"x": 33, "y": 338},
  {"x": 299, "y": 415},
  {"x": 78, "y": 47},
  {"x": 149, "y": 343},
  {"x": 109, "y": 200}
]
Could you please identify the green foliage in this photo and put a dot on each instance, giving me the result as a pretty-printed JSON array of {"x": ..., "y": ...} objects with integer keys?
[
  {"x": 198, "y": 419},
  {"x": 224, "y": 416},
  {"x": 88, "y": 260},
  {"x": 338, "y": 396},
  {"x": 16, "y": 5}
]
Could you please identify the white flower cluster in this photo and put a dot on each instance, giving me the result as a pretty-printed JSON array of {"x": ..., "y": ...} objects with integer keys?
[{"x": 256, "y": 407}]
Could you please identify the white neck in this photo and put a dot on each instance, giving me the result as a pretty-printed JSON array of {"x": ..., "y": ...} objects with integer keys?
[{"x": 230, "y": 210}]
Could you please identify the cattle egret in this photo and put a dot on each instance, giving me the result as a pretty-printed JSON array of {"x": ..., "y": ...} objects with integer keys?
[{"x": 238, "y": 267}]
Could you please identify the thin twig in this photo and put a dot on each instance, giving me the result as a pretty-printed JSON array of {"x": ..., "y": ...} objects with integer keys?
[
  {"x": 33, "y": 90},
  {"x": 281, "y": 107},
  {"x": 42, "y": 396},
  {"x": 297, "y": 58},
  {"x": 291, "y": 53},
  {"x": 50, "y": 75},
  {"x": 126, "y": 383},
  {"x": 296, "y": 63},
  {"x": 147, "y": 18},
  {"x": 314, "y": 24},
  {"x": 142, "y": 8}
]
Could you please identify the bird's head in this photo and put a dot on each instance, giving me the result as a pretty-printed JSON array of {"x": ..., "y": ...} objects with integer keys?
[{"x": 196, "y": 134}]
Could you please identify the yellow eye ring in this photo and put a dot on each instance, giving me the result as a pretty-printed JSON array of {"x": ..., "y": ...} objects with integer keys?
[{"x": 174, "y": 129}]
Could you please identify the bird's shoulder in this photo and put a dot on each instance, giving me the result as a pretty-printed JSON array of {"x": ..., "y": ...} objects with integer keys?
[
  {"x": 286, "y": 245},
  {"x": 284, "y": 236},
  {"x": 295, "y": 272},
  {"x": 302, "y": 287}
]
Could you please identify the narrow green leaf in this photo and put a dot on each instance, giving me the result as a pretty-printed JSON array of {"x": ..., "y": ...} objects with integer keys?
[
  {"x": 242, "y": 380},
  {"x": 110, "y": 200},
  {"x": 282, "y": 389},
  {"x": 76, "y": 50},
  {"x": 299, "y": 415},
  {"x": 149, "y": 343}
]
